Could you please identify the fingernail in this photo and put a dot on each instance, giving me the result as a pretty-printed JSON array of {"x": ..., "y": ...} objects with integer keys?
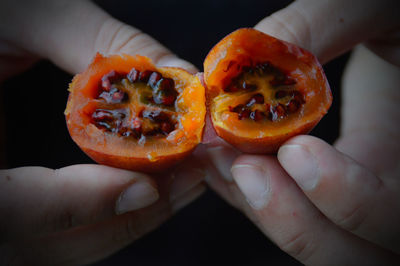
[
  {"x": 185, "y": 180},
  {"x": 138, "y": 195},
  {"x": 253, "y": 182},
  {"x": 188, "y": 197},
  {"x": 300, "y": 164},
  {"x": 222, "y": 158}
]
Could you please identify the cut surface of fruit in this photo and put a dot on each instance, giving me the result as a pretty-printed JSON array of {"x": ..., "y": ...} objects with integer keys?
[
  {"x": 124, "y": 112},
  {"x": 262, "y": 91}
]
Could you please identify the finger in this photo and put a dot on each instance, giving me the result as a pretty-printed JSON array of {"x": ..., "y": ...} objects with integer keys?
[
  {"x": 370, "y": 114},
  {"x": 70, "y": 33},
  {"x": 329, "y": 28},
  {"x": 221, "y": 156},
  {"x": 290, "y": 219},
  {"x": 287, "y": 217},
  {"x": 88, "y": 244},
  {"x": 39, "y": 200},
  {"x": 346, "y": 192}
]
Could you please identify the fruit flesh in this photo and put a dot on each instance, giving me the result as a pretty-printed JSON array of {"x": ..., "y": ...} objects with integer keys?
[
  {"x": 295, "y": 93},
  {"x": 271, "y": 95},
  {"x": 273, "y": 98},
  {"x": 87, "y": 107},
  {"x": 145, "y": 105}
]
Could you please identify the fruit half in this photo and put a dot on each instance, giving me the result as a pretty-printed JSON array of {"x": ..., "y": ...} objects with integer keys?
[
  {"x": 261, "y": 91},
  {"x": 125, "y": 112}
]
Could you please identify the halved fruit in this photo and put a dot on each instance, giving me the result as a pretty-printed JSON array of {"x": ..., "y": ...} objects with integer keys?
[
  {"x": 261, "y": 91},
  {"x": 125, "y": 112}
]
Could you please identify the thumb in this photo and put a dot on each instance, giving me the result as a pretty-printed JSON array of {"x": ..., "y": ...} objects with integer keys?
[
  {"x": 330, "y": 28},
  {"x": 70, "y": 33}
]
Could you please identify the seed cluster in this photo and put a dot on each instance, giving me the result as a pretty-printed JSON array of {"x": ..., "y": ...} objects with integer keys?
[
  {"x": 149, "y": 121},
  {"x": 163, "y": 89},
  {"x": 288, "y": 99}
]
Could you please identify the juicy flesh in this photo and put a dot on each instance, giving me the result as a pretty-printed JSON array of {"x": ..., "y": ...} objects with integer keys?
[
  {"x": 262, "y": 94},
  {"x": 136, "y": 106}
]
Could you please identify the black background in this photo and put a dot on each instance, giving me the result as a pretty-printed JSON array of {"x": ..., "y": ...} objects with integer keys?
[{"x": 208, "y": 232}]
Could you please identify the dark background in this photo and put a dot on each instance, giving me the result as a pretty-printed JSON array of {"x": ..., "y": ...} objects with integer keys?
[{"x": 208, "y": 232}]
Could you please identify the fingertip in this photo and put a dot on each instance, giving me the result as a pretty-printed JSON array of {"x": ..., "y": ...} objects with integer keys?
[
  {"x": 222, "y": 157},
  {"x": 171, "y": 60},
  {"x": 301, "y": 165},
  {"x": 186, "y": 178},
  {"x": 138, "y": 195},
  {"x": 253, "y": 180}
]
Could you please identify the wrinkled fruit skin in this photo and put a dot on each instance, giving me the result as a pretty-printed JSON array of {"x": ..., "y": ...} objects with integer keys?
[
  {"x": 262, "y": 91},
  {"x": 259, "y": 92}
]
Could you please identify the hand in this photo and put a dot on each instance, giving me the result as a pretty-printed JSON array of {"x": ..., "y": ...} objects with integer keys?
[
  {"x": 322, "y": 204},
  {"x": 81, "y": 213}
]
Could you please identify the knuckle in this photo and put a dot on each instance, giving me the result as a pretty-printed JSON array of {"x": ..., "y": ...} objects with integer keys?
[
  {"x": 300, "y": 246},
  {"x": 113, "y": 35},
  {"x": 126, "y": 230},
  {"x": 354, "y": 213},
  {"x": 353, "y": 219},
  {"x": 294, "y": 25}
]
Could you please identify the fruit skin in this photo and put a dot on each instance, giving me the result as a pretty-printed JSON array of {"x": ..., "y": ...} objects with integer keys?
[
  {"x": 267, "y": 145},
  {"x": 242, "y": 47},
  {"x": 248, "y": 46},
  {"x": 115, "y": 151},
  {"x": 140, "y": 164}
]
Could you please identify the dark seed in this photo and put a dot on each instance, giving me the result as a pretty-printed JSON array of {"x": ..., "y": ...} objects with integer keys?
[
  {"x": 128, "y": 132},
  {"x": 259, "y": 98},
  {"x": 118, "y": 97},
  {"x": 269, "y": 111},
  {"x": 280, "y": 94},
  {"x": 168, "y": 100},
  {"x": 144, "y": 75},
  {"x": 256, "y": 98},
  {"x": 108, "y": 79},
  {"x": 167, "y": 84},
  {"x": 164, "y": 97},
  {"x": 232, "y": 88},
  {"x": 245, "y": 69},
  {"x": 133, "y": 75},
  {"x": 257, "y": 115},
  {"x": 113, "y": 96},
  {"x": 108, "y": 115},
  {"x": 277, "y": 112},
  {"x": 104, "y": 124},
  {"x": 101, "y": 115},
  {"x": 244, "y": 113},
  {"x": 158, "y": 123},
  {"x": 248, "y": 86},
  {"x": 167, "y": 127},
  {"x": 280, "y": 110},
  {"x": 298, "y": 96},
  {"x": 282, "y": 80},
  {"x": 154, "y": 78},
  {"x": 155, "y": 115},
  {"x": 164, "y": 93},
  {"x": 108, "y": 119},
  {"x": 292, "y": 106},
  {"x": 237, "y": 108}
]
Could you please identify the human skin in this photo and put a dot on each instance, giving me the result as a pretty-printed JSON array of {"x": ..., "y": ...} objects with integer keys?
[
  {"x": 81, "y": 213},
  {"x": 304, "y": 222},
  {"x": 323, "y": 204}
]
